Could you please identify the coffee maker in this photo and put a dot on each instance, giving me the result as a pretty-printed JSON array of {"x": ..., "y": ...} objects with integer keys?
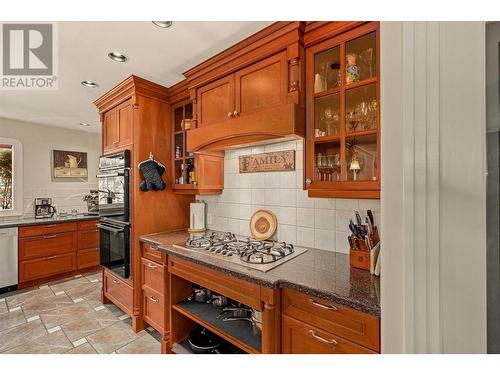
[{"x": 44, "y": 208}]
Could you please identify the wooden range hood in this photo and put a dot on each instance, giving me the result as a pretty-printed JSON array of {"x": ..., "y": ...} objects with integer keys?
[
  {"x": 285, "y": 121},
  {"x": 251, "y": 93}
]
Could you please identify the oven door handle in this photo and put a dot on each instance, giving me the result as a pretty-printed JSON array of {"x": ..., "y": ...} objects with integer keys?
[
  {"x": 115, "y": 174},
  {"x": 111, "y": 229}
]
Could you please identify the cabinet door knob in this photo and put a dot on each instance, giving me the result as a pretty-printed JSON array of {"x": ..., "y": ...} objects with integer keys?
[
  {"x": 151, "y": 265},
  {"x": 154, "y": 299},
  {"x": 235, "y": 113},
  {"x": 308, "y": 181},
  {"x": 115, "y": 281},
  {"x": 230, "y": 114}
]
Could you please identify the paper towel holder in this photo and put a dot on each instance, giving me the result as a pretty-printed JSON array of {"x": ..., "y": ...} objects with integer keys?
[{"x": 197, "y": 217}]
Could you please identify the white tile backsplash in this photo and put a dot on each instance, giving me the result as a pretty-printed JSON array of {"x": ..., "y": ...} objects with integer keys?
[{"x": 311, "y": 222}]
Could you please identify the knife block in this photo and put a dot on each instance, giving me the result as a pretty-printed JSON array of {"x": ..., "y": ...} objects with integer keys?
[{"x": 360, "y": 257}]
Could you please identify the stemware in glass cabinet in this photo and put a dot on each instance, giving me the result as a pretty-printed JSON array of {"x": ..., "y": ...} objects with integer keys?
[
  {"x": 327, "y": 161},
  {"x": 361, "y": 108},
  {"x": 360, "y": 58},
  {"x": 327, "y": 70},
  {"x": 327, "y": 115}
]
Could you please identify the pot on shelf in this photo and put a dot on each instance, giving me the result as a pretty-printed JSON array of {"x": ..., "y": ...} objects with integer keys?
[{"x": 202, "y": 341}]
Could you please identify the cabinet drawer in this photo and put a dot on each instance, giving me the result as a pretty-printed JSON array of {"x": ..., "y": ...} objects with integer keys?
[
  {"x": 88, "y": 239},
  {"x": 154, "y": 309},
  {"x": 150, "y": 252},
  {"x": 302, "y": 338},
  {"x": 87, "y": 258},
  {"x": 231, "y": 287},
  {"x": 47, "y": 245},
  {"x": 87, "y": 225},
  {"x": 47, "y": 266},
  {"x": 350, "y": 324},
  {"x": 38, "y": 230},
  {"x": 118, "y": 291},
  {"x": 153, "y": 275}
]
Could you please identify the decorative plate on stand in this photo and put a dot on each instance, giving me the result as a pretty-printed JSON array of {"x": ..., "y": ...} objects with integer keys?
[{"x": 263, "y": 224}]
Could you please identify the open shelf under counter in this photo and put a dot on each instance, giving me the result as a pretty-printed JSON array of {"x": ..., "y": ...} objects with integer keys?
[{"x": 238, "y": 333}]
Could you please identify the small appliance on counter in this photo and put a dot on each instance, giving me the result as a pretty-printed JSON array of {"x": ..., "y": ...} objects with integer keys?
[
  {"x": 364, "y": 244},
  {"x": 197, "y": 217},
  {"x": 44, "y": 208}
]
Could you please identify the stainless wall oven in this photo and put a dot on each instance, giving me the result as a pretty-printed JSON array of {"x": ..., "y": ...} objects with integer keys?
[{"x": 114, "y": 212}]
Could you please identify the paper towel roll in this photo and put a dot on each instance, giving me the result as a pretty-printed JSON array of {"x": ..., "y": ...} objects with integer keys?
[{"x": 197, "y": 217}]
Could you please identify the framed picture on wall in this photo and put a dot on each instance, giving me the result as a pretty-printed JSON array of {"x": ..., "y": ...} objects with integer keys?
[{"x": 69, "y": 164}]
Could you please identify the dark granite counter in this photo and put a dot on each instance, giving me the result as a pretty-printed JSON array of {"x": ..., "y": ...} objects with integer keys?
[
  {"x": 319, "y": 273},
  {"x": 27, "y": 221}
]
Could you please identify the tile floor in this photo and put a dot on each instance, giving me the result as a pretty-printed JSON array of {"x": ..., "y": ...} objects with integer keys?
[{"x": 66, "y": 316}]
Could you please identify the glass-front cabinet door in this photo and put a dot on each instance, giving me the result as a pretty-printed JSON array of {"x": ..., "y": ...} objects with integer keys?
[{"x": 343, "y": 115}]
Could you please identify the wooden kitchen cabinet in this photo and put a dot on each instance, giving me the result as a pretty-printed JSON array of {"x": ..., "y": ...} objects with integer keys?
[
  {"x": 49, "y": 251},
  {"x": 251, "y": 92},
  {"x": 343, "y": 114},
  {"x": 118, "y": 291},
  {"x": 216, "y": 101},
  {"x": 302, "y": 338},
  {"x": 261, "y": 85},
  {"x": 118, "y": 127},
  {"x": 208, "y": 166},
  {"x": 155, "y": 292},
  {"x": 88, "y": 245},
  {"x": 310, "y": 321}
]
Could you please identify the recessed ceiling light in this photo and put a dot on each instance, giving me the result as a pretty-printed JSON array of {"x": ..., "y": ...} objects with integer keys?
[
  {"x": 89, "y": 84},
  {"x": 163, "y": 24},
  {"x": 117, "y": 56},
  {"x": 84, "y": 124}
]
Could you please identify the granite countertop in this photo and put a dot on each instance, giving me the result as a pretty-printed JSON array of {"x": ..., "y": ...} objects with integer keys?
[
  {"x": 27, "y": 221},
  {"x": 319, "y": 273}
]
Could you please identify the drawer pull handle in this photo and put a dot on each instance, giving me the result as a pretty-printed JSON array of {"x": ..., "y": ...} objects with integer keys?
[
  {"x": 320, "y": 305},
  {"x": 321, "y": 339},
  {"x": 49, "y": 258},
  {"x": 115, "y": 281},
  {"x": 151, "y": 265},
  {"x": 49, "y": 237},
  {"x": 50, "y": 225},
  {"x": 154, "y": 299}
]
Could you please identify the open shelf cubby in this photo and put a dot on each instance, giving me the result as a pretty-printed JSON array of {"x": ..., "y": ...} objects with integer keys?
[{"x": 239, "y": 333}]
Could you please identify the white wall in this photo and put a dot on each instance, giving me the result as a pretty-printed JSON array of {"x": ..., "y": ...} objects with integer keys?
[
  {"x": 433, "y": 187},
  {"x": 38, "y": 142},
  {"x": 315, "y": 222}
]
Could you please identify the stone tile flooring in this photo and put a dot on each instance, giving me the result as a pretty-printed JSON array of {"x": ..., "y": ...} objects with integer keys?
[{"x": 67, "y": 316}]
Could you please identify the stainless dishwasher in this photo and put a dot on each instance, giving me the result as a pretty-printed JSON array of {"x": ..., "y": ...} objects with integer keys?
[{"x": 8, "y": 259}]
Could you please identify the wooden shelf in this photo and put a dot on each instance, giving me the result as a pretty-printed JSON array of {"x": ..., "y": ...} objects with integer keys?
[
  {"x": 361, "y": 133},
  {"x": 364, "y": 82},
  {"x": 333, "y": 91},
  {"x": 327, "y": 138},
  {"x": 238, "y": 333}
]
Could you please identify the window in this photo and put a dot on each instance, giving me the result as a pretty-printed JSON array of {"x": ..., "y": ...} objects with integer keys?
[
  {"x": 10, "y": 177},
  {"x": 6, "y": 193}
]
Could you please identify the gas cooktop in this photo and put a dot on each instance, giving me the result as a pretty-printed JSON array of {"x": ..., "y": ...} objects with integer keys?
[{"x": 247, "y": 252}]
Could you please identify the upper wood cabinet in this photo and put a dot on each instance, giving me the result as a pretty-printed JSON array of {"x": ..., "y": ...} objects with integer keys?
[
  {"x": 118, "y": 127},
  {"x": 193, "y": 173},
  {"x": 251, "y": 92},
  {"x": 343, "y": 114},
  {"x": 216, "y": 101},
  {"x": 260, "y": 86}
]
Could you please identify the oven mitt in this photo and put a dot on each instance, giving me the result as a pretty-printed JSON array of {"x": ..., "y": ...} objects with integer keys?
[{"x": 151, "y": 172}]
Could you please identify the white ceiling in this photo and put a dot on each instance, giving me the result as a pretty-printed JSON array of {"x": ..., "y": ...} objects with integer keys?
[{"x": 159, "y": 55}]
